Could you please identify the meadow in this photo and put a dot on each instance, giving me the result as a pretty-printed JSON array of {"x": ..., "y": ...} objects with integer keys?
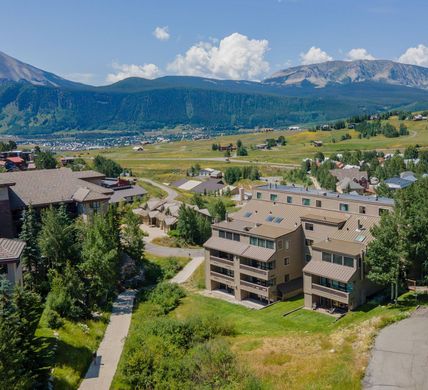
[{"x": 166, "y": 162}]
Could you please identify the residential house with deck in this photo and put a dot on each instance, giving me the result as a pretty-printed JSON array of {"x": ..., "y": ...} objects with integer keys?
[{"x": 288, "y": 240}]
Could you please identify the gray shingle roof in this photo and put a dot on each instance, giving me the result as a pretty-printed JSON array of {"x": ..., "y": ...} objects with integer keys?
[
  {"x": 48, "y": 186},
  {"x": 120, "y": 194}
]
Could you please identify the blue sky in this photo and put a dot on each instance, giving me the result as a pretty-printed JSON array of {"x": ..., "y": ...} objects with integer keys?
[{"x": 102, "y": 41}]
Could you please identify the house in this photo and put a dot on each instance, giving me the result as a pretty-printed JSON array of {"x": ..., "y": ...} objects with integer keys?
[
  {"x": 293, "y": 128},
  {"x": 261, "y": 146},
  {"x": 123, "y": 190},
  {"x": 10, "y": 260},
  {"x": 408, "y": 175},
  {"x": 65, "y": 161},
  {"x": 138, "y": 148},
  {"x": 288, "y": 240},
  {"x": 397, "y": 183},
  {"x": 317, "y": 143},
  {"x": 81, "y": 192},
  {"x": 350, "y": 179},
  {"x": 216, "y": 174}
]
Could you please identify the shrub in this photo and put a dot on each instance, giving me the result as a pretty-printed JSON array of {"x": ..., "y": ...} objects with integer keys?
[
  {"x": 167, "y": 296},
  {"x": 53, "y": 319}
]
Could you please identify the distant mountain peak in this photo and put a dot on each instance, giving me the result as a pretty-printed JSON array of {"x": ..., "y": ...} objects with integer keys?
[
  {"x": 348, "y": 72},
  {"x": 12, "y": 69}
]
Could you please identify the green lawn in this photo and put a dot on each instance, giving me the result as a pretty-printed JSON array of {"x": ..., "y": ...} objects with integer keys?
[{"x": 75, "y": 345}]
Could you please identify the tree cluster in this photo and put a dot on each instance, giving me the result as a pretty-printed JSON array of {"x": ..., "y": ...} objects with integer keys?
[
  {"x": 45, "y": 160},
  {"x": 234, "y": 174},
  {"x": 192, "y": 227},
  {"x": 109, "y": 167},
  {"x": 7, "y": 146}
]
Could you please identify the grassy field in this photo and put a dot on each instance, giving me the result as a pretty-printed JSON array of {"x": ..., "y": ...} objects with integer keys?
[
  {"x": 303, "y": 350},
  {"x": 74, "y": 347},
  {"x": 169, "y": 161}
]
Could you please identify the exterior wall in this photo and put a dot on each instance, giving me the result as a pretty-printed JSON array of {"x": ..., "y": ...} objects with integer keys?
[
  {"x": 85, "y": 210},
  {"x": 7, "y": 228}
]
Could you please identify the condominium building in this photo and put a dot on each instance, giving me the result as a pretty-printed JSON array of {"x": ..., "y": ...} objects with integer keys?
[{"x": 288, "y": 240}]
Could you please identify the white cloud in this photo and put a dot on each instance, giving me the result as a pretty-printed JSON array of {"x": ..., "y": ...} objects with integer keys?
[
  {"x": 358, "y": 54},
  {"x": 415, "y": 55},
  {"x": 234, "y": 57},
  {"x": 123, "y": 71},
  {"x": 162, "y": 33},
  {"x": 314, "y": 56},
  {"x": 85, "y": 78}
]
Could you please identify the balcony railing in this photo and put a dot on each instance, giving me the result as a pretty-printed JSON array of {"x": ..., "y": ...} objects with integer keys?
[
  {"x": 221, "y": 276},
  {"x": 330, "y": 293},
  {"x": 222, "y": 261},
  {"x": 259, "y": 271},
  {"x": 255, "y": 287}
]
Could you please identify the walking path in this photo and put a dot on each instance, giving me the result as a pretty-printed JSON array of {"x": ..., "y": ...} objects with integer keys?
[
  {"x": 184, "y": 275},
  {"x": 101, "y": 372},
  {"x": 400, "y": 355}
]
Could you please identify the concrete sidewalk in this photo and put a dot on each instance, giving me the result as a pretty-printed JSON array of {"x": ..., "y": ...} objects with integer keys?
[
  {"x": 101, "y": 372},
  {"x": 184, "y": 275}
]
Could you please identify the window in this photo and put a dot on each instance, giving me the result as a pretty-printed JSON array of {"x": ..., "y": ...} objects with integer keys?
[
  {"x": 3, "y": 269},
  {"x": 318, "y": 203},
  {"x": 326, "y": 256},
  {"x": 222, "y": 234},
  {"x": 382, "y": 211},
  {"x": 289, "y": 199},
  {"x": 308, "y": 258},
  {"x": 236, "y": 237},
  {"x": 95, "y": 206},
  {"x": 306, "y": 202},
  {"x": 261, "y": 242},
  {"x": 286, "y": 278},
  {"x": 269, "y": 218},
  {"x": 337, "y": 259},
  {"x": 270, "y": 244},
  {"x": 229, "y": 235},
  {"x": 258, "y": 195},
  {"x": 287, "y": 244},
  {"x": 271, "y": 282},
  {"x": 344, "y": 207},
  {"x": 253, "y": 241},
  {"x": 309, "y": 226},
  {"x": 287, "y": 261},
  {"x": 248, "y": 214},
  {"x": 278, "y": 220},
  {"x": 309, "y": 242},
  {"x": 273, "y": 197},
  {"x": 360, "y": 238},
  {"x": 362, "y": 209},
  {"x": 348, "y": 261}
]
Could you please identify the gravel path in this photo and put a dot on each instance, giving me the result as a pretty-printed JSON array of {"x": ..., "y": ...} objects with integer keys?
[
  {"x": 101, "y": 371},
  {"x": 400, "y": 355}
]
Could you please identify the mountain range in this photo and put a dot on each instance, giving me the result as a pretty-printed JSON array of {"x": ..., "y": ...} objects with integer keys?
[{"x": 33, "y": 101}]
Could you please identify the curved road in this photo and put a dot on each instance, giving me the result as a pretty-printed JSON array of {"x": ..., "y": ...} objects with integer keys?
[
  {"x": 400, "y": 355},
  {"x": 172, "y": 194}
]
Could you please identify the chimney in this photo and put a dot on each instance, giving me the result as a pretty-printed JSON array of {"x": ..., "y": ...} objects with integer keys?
[
  {"x": 359, "y": 225},
  {"x": 241, "y": 194}
]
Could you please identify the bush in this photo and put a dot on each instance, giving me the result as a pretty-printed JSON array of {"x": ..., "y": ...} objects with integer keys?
[
  {"x": 167, "y": 296},
  {"x": 170, "y": 268},
  {"x": 53, "y": 319}
]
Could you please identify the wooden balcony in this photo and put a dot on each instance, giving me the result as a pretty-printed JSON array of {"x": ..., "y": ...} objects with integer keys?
[
  {"x": 253, "y": 271},
  {"x": 220, "y": 262},
  {"x": 254, "y": 288},
  {"x": 219, "y": 277},
  {"x": 330, "y": 293}
]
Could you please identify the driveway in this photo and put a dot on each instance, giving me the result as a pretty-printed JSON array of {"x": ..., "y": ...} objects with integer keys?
[{"x": 400, "y": 355}]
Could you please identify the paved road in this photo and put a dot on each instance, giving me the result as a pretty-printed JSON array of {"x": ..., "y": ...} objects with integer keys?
[
  {"x": 184, "y": 275},
  {"x": 400, "y": 356},
  {"x": 172, "y": 194},
  {"x": 101, "y": 372}
]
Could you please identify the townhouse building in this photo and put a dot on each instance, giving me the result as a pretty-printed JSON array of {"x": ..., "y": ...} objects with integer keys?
[{"x": 288, "y": 240}]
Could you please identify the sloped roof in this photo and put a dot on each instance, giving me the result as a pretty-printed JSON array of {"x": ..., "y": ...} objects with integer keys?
[
  {"x": 230, "y": 246},
  {"x": 258, "y": 253},
  {"x": 47, "y": 186},
  {"x": 351, "y": 173},
  {"x": 6, "y": 183},
  {"x": 333, "y": 271},
  {"x": 11, "y": 249},
  {"x": 349, "y": 183},
  {"x": 121, "y": 194},
  {"x": 84, "y": 194},
  {"x": 339, "y": 246},
  {"x": 270, "y": 231}
]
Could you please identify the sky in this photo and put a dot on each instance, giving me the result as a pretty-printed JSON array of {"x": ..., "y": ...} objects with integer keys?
[{"x": 103, "y": 41}]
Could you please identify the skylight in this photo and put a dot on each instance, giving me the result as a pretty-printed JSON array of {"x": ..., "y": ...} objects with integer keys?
[
  {"x": 248, "y": 214},
  {"x": 270, "y": 218},
  {"x": 278, "y": 220},
  {"x": 360, "y": 238}
]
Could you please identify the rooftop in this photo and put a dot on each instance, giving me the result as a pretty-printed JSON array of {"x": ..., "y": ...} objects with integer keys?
[
  {"x": 10, "y": 249},
  {"x": 327, "y": 194},
  {"x": 341, "y": 273}
]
